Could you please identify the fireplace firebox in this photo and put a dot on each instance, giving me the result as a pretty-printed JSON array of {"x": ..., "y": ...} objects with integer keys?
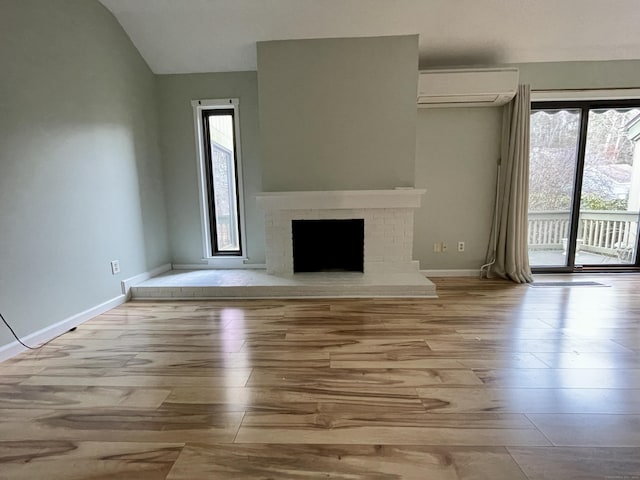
[{"x": 328, "y": 245}]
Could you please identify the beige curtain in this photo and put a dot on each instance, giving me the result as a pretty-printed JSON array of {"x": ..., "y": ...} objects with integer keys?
[{"x": 510, "y": 258}]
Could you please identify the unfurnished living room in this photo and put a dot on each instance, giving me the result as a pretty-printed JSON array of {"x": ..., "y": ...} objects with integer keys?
[{"x": 305, "y": 239}]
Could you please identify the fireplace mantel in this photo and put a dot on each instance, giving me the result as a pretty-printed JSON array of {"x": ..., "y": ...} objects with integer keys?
[{"x": 341, "y": 199}]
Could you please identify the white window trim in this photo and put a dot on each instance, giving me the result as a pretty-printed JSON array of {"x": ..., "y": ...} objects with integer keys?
[
  {"x": 585, "y": 94},
  {"x": 214, "y": 260}
]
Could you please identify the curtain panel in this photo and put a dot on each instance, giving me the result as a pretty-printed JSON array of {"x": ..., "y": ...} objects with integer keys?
[{"x": 510, "y": 258}]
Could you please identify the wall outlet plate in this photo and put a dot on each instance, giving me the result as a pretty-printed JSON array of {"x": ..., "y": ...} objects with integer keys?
[
  {"x": 461, "y": 246},
  {"x": 115, "y": 267}
]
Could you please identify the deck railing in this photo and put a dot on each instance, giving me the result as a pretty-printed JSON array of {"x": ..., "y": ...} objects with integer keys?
[{"x": 599, "y": 231}]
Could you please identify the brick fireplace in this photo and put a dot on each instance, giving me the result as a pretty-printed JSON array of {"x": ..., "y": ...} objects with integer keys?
[{"x": 387, "y": 216}]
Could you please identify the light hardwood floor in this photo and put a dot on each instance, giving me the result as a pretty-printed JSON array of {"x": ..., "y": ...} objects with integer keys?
[{"x": 490, "y": 381}]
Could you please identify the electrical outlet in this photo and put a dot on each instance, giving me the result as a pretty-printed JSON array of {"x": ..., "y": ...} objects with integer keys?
[
  {"x": 437, "y": 248},
  {"x": 115, "y": 267},
  {"x": 445, "y": 248},
  {"x": 461, "y": 246}
]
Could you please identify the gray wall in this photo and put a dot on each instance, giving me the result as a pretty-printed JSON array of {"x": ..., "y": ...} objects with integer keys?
[
  {"x": 80, "y": 176},
  {"x": 568, "y": 75},
  {"x": 179, "y": 154},
  {"x": 338, "y": 114},
  {"x": 457, "y": 151},
  {"x": 456, "y": 154}
]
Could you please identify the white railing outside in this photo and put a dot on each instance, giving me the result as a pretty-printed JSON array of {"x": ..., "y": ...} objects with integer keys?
[
  {"x": 547, "y": 229},
  {"x": 600, "y": 231}
]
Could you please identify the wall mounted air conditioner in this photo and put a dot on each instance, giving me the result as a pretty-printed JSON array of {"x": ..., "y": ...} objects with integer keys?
[{"x": 467, "y": 87}]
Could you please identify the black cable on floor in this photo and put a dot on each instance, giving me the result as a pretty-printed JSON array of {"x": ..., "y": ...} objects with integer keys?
[{"x": 27, "y": 346}]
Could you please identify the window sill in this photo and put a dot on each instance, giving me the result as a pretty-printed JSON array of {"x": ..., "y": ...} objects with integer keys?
[{"x": 226, "y": 262}]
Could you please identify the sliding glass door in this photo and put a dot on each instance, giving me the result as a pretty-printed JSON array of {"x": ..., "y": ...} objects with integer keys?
[
  {"x": 552, "y": 170},
  {"x": 584, "y": 185}
]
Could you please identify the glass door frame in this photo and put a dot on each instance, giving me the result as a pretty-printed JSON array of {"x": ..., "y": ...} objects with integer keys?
[{"x": 585, "y": 106}]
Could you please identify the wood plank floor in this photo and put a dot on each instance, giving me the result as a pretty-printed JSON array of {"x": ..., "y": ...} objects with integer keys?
[{"x": 490, "y": 381}]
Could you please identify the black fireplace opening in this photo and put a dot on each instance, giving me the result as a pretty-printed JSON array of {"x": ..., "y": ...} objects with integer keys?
[{"x": 328, "y": 245}]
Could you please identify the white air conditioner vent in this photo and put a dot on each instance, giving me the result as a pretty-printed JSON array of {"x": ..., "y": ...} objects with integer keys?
[{"x": 467, "y": 87}]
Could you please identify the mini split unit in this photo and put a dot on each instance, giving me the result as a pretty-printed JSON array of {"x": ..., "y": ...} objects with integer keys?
[{"x": 467, "y": 87}]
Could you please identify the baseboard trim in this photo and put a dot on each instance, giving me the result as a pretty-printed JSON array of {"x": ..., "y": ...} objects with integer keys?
[
  {"x": 452, "y": 273},
  {"x": 198, "y": 266},
  {"x": 37, "y": 338},
  {"x": 129, "y": 282}
]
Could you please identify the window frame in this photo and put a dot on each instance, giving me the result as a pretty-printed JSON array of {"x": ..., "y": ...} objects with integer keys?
[
  {"x": 210, "y": 252},
  {"x": 585, "y": 105}
]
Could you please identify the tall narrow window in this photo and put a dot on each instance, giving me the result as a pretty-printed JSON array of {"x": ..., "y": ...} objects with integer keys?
[{"x": 221, "y": 179}]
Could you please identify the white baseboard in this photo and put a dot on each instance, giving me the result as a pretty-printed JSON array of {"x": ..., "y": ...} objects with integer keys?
[
  {"x": 198, "y": 266},
  {"x": 36, "y": 338},
  {"x": 452, "y": 273},
  {"x": 129, "y": 282}
]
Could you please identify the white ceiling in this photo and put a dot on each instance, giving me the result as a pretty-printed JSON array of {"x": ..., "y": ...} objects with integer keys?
[{"x": 180, "y": 36}]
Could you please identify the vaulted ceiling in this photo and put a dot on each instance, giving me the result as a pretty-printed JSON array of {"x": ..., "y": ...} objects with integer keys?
[{"x": 181, "y": 36}]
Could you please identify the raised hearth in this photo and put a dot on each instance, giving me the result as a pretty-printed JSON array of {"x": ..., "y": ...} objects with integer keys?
[{"x": 240, "y": 283}]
